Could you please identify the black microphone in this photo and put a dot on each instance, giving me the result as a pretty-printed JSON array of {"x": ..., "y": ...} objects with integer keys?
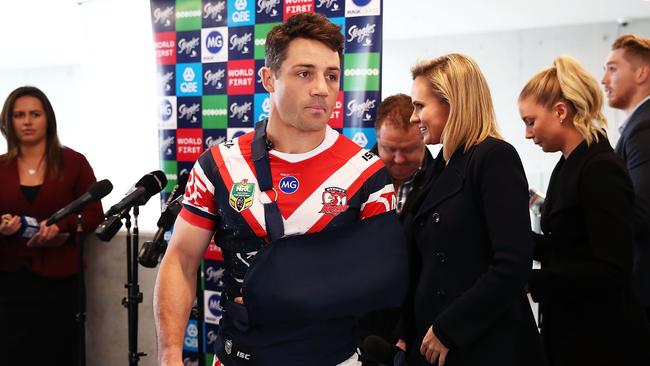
[
  {"x": 97, "y": 191},
  {"x": 146, "y": 187},
  {"x": 382, "y": 352}
]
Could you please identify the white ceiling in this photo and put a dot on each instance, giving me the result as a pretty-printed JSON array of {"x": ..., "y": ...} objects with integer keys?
[{"x": 51, "y": 32}]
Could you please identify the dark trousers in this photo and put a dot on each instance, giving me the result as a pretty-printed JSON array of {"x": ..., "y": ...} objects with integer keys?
[{"x": 37, "y": 319}]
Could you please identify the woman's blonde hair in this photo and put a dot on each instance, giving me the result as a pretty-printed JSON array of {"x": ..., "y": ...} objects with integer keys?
[
  {"x": 567, "y": 81},
  {"x": 457, "y": 80}
]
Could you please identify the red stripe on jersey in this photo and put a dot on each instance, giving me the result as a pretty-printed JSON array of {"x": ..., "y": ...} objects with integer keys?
[
  {"x": 310, "y": 173},
  {"x": 197, "y": 220},
  {"x": 227, "y": 180},
  {"x": 378, "y": 207},
  {"x": 351, "y": 191}
]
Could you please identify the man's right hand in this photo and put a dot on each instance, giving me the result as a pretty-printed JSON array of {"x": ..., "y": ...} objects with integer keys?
[{"x": 9, "y": 224}]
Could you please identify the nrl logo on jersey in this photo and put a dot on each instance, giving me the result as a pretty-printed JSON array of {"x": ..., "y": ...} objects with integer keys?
[
  {"x": 335, "y": 201},
  {"x": 241, "y": 195}
]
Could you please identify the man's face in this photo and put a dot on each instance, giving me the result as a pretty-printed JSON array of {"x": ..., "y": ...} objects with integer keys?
[
  {"x": 400, "y": 150},
  {"x": 304, "y": 90},
  {"x": 619, "y": 80}
]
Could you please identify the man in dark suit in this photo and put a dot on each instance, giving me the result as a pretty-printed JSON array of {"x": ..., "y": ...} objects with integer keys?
[
  {"x": 400, "y": 147},
  {"x": 627, "y": 85}
]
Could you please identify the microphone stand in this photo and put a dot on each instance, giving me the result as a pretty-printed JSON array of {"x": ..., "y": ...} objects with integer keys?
[
  {"x": 80, "y": 316},
  {"x": 134, "y": 297}
]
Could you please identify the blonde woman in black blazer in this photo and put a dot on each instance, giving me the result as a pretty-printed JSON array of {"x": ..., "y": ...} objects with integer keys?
[
  {"x": 470, "y": 234},
  {"x": 590, "y": 315}
]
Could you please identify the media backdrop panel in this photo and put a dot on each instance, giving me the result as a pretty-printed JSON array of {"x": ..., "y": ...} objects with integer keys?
[{"x": 209, "y": 56}]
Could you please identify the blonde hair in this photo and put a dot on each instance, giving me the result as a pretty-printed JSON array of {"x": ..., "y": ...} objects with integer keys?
[
  {"x": 567, "y": 81},
  {"x": 457, "y": 80}
]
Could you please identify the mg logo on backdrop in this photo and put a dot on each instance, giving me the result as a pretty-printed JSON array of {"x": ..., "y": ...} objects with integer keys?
[
  {"x": 212, "y": 304},
  {"x": 359, "y": 8},
  {"x": 167, "y": 113},
  {"x": 213, "y": 44}
]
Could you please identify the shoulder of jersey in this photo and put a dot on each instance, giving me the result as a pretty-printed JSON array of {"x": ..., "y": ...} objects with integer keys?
[
  {"x": 362, "y": 158},
  {"x": 231, "y": 149}
]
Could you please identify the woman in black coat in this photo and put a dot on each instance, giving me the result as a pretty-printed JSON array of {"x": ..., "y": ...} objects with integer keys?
[
  {"x": 470, "y": 234},
  {"x": 589, "y": 313}
]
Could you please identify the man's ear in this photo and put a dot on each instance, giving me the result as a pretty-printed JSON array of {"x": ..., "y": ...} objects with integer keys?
[
  {"x": 268, "y": 79},
  {"x": 643, "y": 74}
]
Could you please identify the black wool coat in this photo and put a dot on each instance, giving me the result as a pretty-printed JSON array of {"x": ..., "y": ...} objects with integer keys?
[
  {"x": 590, "y": 314},
  {"x": 472, "y": 255}
]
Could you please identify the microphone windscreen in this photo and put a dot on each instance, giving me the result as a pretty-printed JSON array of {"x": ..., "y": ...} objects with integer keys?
[
  {"x": 153, "y": 182},
  {"x": 100, "y": 189},
  {"x": 378, "y": 349}
]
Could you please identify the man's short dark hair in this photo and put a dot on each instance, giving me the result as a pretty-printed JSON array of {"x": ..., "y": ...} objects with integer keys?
[
  {"x": 304, "y": 25},
  {"x": 396, "y": 110}
]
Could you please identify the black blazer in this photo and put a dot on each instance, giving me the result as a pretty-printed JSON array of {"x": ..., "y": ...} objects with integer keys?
[
  {"x": 590, "y": 315},
  {"x": 473, "y": 252},
  {"x": 634, "y": 147}
]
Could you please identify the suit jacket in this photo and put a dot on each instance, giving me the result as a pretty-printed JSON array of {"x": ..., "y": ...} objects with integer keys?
[
  {"x": 634, "y": 147},
  {"x": 472, "y": 255},
  {"x": 590, "y": 314}
]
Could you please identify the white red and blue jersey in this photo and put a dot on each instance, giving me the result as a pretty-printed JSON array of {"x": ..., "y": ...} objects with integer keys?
[{"x": 335, "y": 183}]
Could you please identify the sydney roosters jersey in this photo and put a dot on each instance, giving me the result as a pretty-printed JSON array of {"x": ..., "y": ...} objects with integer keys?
[{"x": 335, "y": 183}]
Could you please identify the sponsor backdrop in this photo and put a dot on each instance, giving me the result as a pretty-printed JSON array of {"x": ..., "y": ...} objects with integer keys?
[{"x": 209, "y": 56}]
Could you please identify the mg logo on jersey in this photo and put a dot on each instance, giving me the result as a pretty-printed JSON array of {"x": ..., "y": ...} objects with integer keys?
[
  {"x": 289, "y": 184},
  {"x": 335, "y": 201},
  {"x": 241, "y": 195}
]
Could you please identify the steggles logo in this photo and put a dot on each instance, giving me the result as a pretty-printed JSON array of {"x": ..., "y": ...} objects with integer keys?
[
  {"x": 214, "y": 11},
  {"x": 214, "y": 78},
  {"x": 163, "y": 16},
  {"x": 329, "y": 4},
  {"x": 362, "y": 34},
  {"x": 237, "y": 111},
  {"x": 268, "y": 6},
  {"x": 240, "y": 42},
  {"x": 359, "y": 109},
  {"x": 188, "y": 362},
  {"x": 166, "y": 144},
  {"x": 188, "y": 47},
  {"x": 188, "y": 112},
  {"x": 209, "y": 142},
  {"x": 165, "y": 79}
]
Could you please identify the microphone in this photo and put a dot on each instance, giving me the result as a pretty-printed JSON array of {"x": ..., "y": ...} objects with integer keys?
[
  {"x": 382, "y": 352},
  {"x": 153, "y": 250},
  {"x": 97, "y": 191},
  {"x": 146, "y": 187}
]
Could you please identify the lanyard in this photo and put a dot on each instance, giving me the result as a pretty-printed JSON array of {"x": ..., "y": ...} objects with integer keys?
[{"x": 260, "y": 153}]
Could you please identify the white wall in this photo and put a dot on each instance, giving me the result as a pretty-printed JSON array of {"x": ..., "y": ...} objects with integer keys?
[{"x": 509, "y": 59}]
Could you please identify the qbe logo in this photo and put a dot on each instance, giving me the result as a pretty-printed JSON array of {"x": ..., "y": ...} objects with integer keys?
[
  {"x": 191, "y": 340},
  {"x": 268, "y": 11},
  {"x": 167, "y": 113},
  {"x": 214, "y": 44},
  {"x": 331, "y": 8},
  {"x": 359, "y": 8},
  {"x": 363, "y": 34},
  {"x": 188, "y": 79},
  {"x": 241, "y": 12},
  {"x": 364, "y": 137},
  {"x": 213, "y": 310},
  {"x": 214, "y": 13},
  {"x": 361, "y": 108},
  {"x": 289, "y": 184},
  {"x": 292, "y": 7},
  {"x": 262, "y": 106}
]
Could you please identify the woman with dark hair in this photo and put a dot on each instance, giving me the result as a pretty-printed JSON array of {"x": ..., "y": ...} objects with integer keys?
[{"x": 38, "y": 263}]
